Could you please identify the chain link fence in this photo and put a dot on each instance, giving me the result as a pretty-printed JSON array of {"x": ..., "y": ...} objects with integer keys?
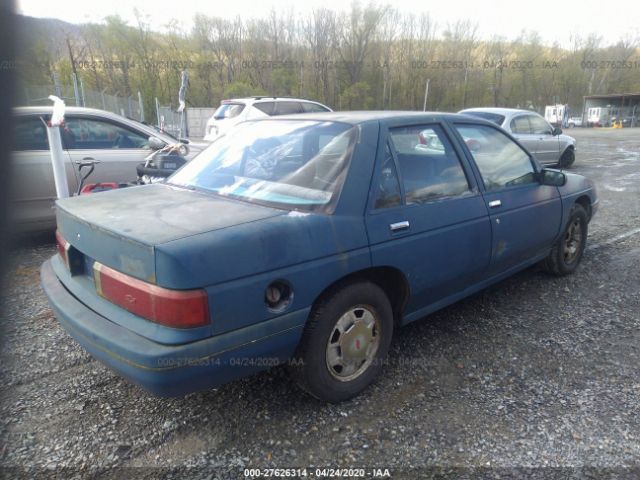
[
  {"x": 171, "y": 121},
  {"x": 191, "y": 123},
  {"x": 77, "y": 95}
]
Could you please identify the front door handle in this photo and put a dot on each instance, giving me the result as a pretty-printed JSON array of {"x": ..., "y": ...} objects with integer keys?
[
  {"x": 396, "y": 227},
  {"x": 495, "y": 203}
]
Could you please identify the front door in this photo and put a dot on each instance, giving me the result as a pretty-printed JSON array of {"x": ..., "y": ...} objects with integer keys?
[
  {"x": 117, "y": 148},
  {"x": 33, "y": 190},
  {"x": 525, "y": 215},
  {"x": 521, "y": 129},
  {"x": 548, "y": 148}
]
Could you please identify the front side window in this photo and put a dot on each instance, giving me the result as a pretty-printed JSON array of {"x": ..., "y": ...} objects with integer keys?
[
  {"x": 309, "y": 107},
  {"x": 501, "y": 161},
  {"x": 520, "y": 125},
  {"x": 299, "y": 165},
  {"x": 539, "y": 125},
  {"x": 429, "y": 166},
  {"x": 90, "y": 134}
]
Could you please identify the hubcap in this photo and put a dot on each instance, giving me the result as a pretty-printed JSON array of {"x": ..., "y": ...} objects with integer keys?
[
  {"x": 353, "y": 343},
  {"x": 572, "y": 241}
]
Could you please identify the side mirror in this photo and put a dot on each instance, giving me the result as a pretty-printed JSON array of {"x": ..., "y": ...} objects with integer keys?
[
  {"x": 184, "y": 140},
  {"x": 556, "y": 131},
  {"x": 553, "y": 178},
  {"x": 155, "y": 143}
]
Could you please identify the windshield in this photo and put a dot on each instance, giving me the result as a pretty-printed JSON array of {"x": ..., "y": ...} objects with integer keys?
[
  {"x": 492, "y": 117},
  {"x": 290, "y": 164},
  {"x": 228, "y": 110}
]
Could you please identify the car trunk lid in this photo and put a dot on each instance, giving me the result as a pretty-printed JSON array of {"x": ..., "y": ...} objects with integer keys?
[{"x": 121, "y": 228}]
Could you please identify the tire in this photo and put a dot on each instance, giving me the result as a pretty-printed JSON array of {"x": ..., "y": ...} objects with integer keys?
[
  {"x": 567, "y": 158},
  {"x": 566, "y": 254},
  {"x": 316, "y": 366}
]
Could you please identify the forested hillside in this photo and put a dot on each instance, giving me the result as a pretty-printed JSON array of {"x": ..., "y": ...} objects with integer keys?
[{"x": 373, "y": 57}]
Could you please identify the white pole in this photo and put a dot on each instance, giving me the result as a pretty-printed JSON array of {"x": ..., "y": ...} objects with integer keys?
[
  {"x": 55, "y": 147},
  {"x": 140, "y": 106},
  {"x": 426, "y": 94}
]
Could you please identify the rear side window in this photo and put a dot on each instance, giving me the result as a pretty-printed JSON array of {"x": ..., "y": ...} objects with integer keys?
[
  {"x": 388, "y": 193},
  {"x": 520, "y": 125},
  {"x": 30, "y": 134},
  {"x": 429, "y": 166},
  {"x": 313, "y": 107},
  {"x": 501, "y": 161},
  {"x": 265, "y": 107},
  {"x": 286, "y": 108}
]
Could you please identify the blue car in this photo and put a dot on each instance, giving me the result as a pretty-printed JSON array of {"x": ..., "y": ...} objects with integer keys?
[{"x": 306, "y": 240}]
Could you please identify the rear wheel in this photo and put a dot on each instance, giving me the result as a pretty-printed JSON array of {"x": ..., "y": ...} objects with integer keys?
[
  {"x": 345, "y": 342},
  {"x": 566, "y": 254},
  {"x": 567, "y": 158}
]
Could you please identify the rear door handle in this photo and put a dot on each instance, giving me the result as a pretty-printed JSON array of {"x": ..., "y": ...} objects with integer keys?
[
  {"x": 396, "y": 227},
  {"x": 495, "y": 203}
]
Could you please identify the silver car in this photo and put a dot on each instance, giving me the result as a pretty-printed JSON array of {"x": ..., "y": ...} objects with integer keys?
[
  {"x": 117, "y": 142},
  {"x": 549, "y": 145}
]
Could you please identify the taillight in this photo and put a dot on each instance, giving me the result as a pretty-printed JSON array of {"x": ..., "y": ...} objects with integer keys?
[
  {"x": 173, "y": 308},
  {"x": 63, "y": 248}
]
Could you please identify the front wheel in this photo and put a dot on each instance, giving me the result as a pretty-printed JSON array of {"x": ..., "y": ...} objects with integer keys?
[
  {"x": 566, "y": 254},
  {"x": 345, "y": 342},
  {"x": 567, "y": 158}
]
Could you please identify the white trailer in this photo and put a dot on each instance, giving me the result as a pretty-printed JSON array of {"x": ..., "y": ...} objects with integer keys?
[{"x": 601, "y": 116}]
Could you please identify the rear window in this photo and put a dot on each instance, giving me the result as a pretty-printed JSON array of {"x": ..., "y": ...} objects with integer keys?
[
  {"x": 492, "y": 117},
  {"x": 297, "y": 165},
  {"x": 228, "y": 110}
]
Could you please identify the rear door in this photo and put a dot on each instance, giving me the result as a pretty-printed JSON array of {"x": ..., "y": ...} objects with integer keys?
[
  {"x": 525, "y": 215},
  {"x": 116, "y": 146},
  {"x": 33, "y": 190},
  {"x": 426, "y": 216}
]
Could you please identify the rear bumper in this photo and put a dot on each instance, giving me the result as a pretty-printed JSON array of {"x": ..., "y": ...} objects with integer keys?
[{"x": 171, "y": 370}]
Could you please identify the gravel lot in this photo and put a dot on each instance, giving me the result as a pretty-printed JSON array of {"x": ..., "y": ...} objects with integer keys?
[{"x": 536, "y": 376}]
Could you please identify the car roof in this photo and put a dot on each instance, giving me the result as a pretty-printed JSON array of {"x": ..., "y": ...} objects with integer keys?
[
  {"x": 498, "y": 110},
  {"x": 47, "y": 109},
  {"x": 363, "y": 116},
  {"x": 67, "y": 109},
  {"x": 261, "y": 99}
]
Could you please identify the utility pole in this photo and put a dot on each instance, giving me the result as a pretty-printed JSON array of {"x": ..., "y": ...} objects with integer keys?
[{"x": 426, "y": 94}]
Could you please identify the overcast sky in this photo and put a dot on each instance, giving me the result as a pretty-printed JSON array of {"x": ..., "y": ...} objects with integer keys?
[{"x": 554, "y": 20}]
